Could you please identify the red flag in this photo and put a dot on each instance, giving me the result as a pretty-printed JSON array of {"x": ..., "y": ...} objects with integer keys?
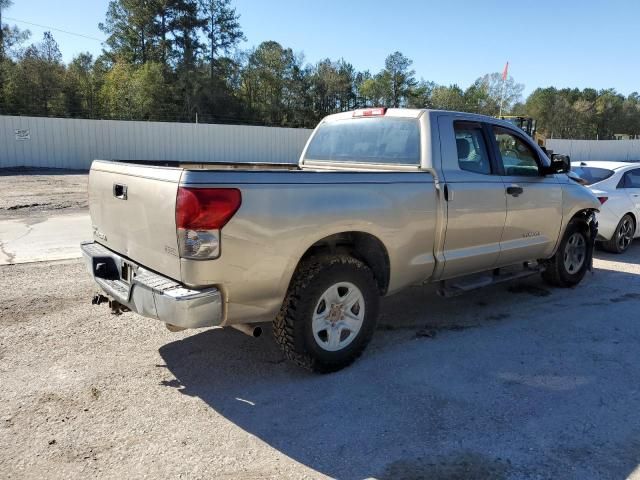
[{"x": 505, "y": 72}]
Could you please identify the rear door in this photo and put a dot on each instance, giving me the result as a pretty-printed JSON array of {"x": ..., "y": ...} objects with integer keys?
[
  {"x": 133, "y": 213},
  {"x": 631, "y": 186},
  {"x": 476, "y": 203},
  {"x": 534, "y": 201}
]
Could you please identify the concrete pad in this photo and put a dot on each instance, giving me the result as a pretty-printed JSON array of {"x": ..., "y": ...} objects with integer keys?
[{"x": 38, "y": 239}]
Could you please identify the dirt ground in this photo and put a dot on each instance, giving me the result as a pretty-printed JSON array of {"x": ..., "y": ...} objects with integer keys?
[
  {"x": 517, "y": 381},
  {"x": 36, "y": 191}
]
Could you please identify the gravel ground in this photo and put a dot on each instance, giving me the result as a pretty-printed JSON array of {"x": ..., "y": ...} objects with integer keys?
[
  {"x": 28, "y": 192},
  {"x": 517, "y": 381}
]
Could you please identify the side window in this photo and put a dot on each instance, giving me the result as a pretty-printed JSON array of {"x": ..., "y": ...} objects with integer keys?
[
  {"x": 631, "y": 179},
  {"x": 518, "y": 158},
  {"x": 472, "y": 150}
]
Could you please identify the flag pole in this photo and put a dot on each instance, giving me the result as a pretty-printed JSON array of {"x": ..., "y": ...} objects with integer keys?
[{"x": 505, "y": 72}]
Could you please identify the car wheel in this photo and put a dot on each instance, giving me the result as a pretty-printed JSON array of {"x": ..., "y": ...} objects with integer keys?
[
  {"x": 569, "y": 265},
  {"x": 329, "y": 314},
  {"x": 622, "y": 237}
]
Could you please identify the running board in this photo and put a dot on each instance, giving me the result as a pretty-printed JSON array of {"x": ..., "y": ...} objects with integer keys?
[{"x": 474, "y": 282}]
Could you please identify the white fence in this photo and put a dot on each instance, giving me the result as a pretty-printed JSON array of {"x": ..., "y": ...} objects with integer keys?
[
  {"x": 69, "y": 143},
  {"x": 625, "y": 150}
]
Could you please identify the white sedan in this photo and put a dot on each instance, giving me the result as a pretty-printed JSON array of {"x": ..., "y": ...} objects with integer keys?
[{"x": 617, "y": 186}]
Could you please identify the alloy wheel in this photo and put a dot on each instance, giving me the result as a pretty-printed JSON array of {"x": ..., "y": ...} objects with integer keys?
[{"x": 625, "y": 234}]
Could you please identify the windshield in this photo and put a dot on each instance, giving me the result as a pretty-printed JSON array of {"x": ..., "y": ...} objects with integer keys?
[
  {"x": 592, "y": 175},
  {"x": 385, "y": 140}
]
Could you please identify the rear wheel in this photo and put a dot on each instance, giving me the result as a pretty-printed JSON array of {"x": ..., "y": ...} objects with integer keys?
[
  {"x": 329, "y": 314},
  {"x": 569, "y": 265},
  {"x": 622, "y": 237}
]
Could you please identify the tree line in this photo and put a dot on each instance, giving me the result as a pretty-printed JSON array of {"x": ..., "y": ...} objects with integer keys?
[{"x": 178, "y": 60}]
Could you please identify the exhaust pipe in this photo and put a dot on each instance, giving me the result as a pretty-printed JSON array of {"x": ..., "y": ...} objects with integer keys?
[{"x": 252, "y": 330}]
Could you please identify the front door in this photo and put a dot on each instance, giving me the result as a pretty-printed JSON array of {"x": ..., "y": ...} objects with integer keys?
[{"x": 534, "y": 201}]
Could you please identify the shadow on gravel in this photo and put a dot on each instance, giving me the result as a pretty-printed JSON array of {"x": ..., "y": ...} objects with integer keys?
[
  {"x": 549, "y": 395},
  {"x": 631, "y": 256}
]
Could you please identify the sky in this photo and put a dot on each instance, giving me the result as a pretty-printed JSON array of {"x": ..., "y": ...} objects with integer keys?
[{"x": 561, "y": 43}]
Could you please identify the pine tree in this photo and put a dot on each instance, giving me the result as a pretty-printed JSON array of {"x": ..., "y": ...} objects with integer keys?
[{"x": 222, "y": 28}]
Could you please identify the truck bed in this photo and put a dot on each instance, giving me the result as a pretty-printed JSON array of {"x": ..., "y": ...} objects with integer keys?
[
  {"x": 284, "y": 212},
  {"x": 245, "y": 166}
]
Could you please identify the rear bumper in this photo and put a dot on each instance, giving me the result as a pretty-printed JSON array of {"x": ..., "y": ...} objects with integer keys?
[{"x": 149, "y": 294}]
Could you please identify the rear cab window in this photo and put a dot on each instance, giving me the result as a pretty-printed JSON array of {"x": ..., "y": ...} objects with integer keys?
[{"x": 376, "y": 140}]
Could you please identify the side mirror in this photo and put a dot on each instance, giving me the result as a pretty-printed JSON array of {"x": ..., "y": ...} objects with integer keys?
[{"x": 559, "y": 164}]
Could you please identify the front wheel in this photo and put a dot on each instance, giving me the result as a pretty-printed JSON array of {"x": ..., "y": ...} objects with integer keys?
[
  {"x": 569, "y": 265},
  {"x": 329, "y": 314}
]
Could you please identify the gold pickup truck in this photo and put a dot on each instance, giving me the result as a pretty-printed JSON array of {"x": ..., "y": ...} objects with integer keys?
[{"x": 381, "y": 199}]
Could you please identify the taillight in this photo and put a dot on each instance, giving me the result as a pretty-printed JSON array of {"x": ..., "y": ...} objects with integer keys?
[
  {"x": 200, "y": 214},
  {"x": 603, "y": 199}
]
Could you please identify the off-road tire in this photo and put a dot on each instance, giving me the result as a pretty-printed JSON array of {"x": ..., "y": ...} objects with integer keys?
[
  {"x": 612, "y": 245},
  {"x": 292, "y": 326},
  {"x": 555, "y": 272}
]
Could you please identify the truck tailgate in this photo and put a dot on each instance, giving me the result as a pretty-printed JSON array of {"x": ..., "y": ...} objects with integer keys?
[{"x": 133, "y": 213}]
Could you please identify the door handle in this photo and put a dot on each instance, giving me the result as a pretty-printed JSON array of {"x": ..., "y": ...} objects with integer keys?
[
  {"x": 515, "y": 190},
  {"x": 120, "y": 191},
  {"x": 448, "y": 194}
]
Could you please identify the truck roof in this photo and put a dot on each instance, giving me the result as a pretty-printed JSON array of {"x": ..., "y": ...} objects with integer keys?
[
  {"x": 414, "y": 113},
  {"x": 390, "y": 112}
]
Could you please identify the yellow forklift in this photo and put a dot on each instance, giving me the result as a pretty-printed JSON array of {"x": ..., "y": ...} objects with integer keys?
[{"x": 527, "y": 124}]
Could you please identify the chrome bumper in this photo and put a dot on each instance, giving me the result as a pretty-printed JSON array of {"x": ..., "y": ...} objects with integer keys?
[{"x": 149, "y": 294}]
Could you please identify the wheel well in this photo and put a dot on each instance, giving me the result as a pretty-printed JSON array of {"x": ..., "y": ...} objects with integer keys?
[
  {"x": 361, "y": 245},
  {"x": 581, "y": 216}
]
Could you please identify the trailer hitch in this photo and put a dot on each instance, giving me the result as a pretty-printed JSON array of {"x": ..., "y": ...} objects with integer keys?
[
  {"x": 98, "y": 299},
  {"x": 116, "y": 307}
]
